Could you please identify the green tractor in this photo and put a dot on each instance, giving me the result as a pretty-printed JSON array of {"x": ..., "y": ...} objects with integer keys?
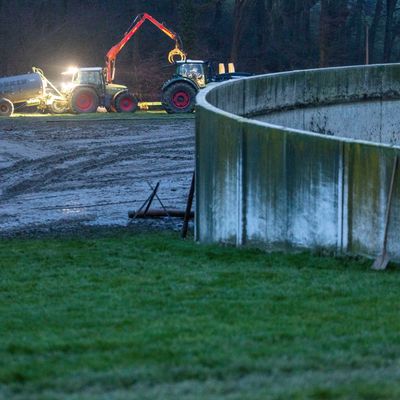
[
  {"x": 87, "y": 90},
  {"x": 179, "y": 92}
]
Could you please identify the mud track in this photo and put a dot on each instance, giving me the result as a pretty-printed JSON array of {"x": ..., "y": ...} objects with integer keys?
[{"x": 63, "y": 173}]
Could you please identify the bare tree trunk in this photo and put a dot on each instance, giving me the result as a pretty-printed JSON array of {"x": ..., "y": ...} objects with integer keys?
[
  {"x": 187, "y": 25},
  {"x": 359, "y": 47},
  {"x": 374, "y": 27},
  {"x": 215, "y": 42},
  {"x": 239, "y": 24},
  {"x": 333, "y": 20},
  {"x": 261, "y": 33},
  {"x": 389, "y": 34},
  {"x": 324, "y": 34}
]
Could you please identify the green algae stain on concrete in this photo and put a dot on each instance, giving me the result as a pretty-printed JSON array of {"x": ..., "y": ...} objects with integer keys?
[
  {"x": 264, "y": 191},
  {"x": 365, "y": 196},
  {"x": 370, "y": 170}
]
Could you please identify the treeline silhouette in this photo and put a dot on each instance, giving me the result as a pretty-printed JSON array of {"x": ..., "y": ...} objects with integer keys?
[{"x": 258, "y": 35}]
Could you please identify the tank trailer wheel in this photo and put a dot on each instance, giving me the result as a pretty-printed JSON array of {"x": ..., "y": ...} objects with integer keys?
[
  {"x": 6, "y": 108},
  {"x": 58, "y": 107},
  {"x": 179, "y": 98},
  {"x": 84, "y": 100},
  {"x": 126, "y": 103}
]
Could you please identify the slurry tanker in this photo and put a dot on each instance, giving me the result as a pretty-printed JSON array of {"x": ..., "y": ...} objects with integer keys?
[{"x": 31, "y": 90}]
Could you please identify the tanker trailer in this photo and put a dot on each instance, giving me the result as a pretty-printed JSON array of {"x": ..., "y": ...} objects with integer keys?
[{"x": 32, "y": 89}]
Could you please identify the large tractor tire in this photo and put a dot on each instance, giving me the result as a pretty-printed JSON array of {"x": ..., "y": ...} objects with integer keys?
[
  {"x": 126, "y": 103},
  {"x": 84, "y": 100},
  {"x": 179, "y": 97},
  {"x": 6, "y": 108}
]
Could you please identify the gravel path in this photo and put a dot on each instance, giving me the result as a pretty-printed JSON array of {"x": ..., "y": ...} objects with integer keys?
[{"x": 58, "y": 173}]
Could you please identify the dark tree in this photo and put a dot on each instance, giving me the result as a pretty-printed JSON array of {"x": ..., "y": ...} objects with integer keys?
[
  {"x": 376, "y": 19},
  {"x": 333, "y": 21},
  {"x": 240, "y": 21},
  {"x": 389, "y": 30},
  {"x": 258, "y": 35},
  {"x": 187, "y": 27}
]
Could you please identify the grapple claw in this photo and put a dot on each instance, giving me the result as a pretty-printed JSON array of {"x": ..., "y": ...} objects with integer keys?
[{"x": 176, "y": 54}]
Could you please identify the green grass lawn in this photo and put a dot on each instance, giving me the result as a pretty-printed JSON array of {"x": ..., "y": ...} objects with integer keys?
[{"x": 148, "y": 316}]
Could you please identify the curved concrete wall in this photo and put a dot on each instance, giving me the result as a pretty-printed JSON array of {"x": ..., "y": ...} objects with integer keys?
[{"x": 284, "y": 188}]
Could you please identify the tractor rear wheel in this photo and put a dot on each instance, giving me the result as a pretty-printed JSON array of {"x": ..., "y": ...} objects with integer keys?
[
  {"x": 126, "y": 103},
  {"x": 6, "y": 108},
  {"x": 180, "y": 97},
  {"x": 84, "y": 100}
]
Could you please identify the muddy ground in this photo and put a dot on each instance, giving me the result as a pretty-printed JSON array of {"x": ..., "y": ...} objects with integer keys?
[{"x": 68, "y": 173}]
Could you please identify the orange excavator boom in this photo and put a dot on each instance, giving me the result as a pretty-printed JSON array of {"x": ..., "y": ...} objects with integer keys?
[{"x": 137, "y": 23}]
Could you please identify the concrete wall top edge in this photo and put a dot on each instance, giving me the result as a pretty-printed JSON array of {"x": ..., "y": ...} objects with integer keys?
[{"x": 213, "y": 105}]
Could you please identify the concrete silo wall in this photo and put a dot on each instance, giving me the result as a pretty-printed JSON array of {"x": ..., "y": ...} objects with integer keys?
[{"x": 284, "y": 188}]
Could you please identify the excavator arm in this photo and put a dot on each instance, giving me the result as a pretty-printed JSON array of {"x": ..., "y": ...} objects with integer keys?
[{"x": 137, "y": 23}]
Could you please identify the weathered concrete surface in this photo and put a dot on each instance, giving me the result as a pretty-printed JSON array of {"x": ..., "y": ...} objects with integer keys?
[
  {"x": 375, "y": 121},
  {"x": 282, "y": 186}
]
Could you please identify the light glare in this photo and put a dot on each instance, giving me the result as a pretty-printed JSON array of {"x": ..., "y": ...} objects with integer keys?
[{"x": 70, "y": 71}]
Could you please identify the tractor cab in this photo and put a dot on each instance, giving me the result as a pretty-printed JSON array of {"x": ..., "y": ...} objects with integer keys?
[
  {"x": 93, "y": 77},
  {"x": 195, "y": 70},
  {"x": 77, "y": 77},
  {"x": 88, "y": 76},
  {"x": 203, "y": 72}
]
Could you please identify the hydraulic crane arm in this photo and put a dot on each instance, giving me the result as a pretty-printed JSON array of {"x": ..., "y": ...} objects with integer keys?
[{"x": 137, "y": 23}]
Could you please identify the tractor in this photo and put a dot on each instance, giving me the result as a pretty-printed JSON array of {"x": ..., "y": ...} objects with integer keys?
[
  {"x": 88, "y": 90},
  {"x": 179, "y": 92}
]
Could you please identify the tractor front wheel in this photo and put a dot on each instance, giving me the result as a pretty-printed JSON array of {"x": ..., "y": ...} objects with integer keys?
[
  {"x": 84, "y": 100},
  {"x": 180, "y": 97},
  {"x": 126, "y": 103},
  {"x": 6, "y": 108}
]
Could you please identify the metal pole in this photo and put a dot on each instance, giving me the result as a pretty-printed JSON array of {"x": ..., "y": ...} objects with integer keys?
[
  {"x": 151, "y": 198},
  {"x": 189, "y": 203}
]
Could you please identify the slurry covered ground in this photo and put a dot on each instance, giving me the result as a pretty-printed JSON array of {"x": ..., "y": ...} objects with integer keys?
[{"x": 60, "y": 172}]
